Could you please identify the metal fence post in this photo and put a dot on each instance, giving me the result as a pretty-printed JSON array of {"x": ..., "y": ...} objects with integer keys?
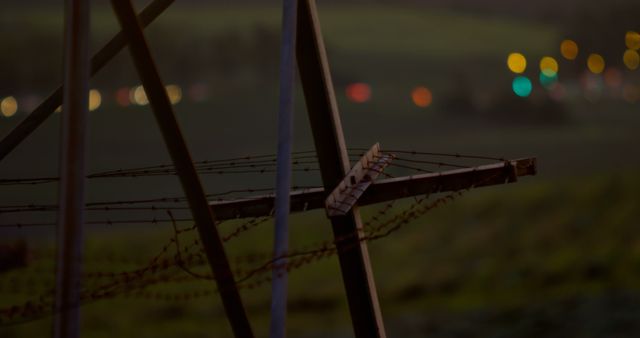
[{"x": 72, "y": 170}]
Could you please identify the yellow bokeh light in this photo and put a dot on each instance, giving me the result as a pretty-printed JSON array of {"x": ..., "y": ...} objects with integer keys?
[
  {"x": 175, "y": 93},
  {"x": 8, "y": 106},
  {"x": 138, "y": 96},
  {"x": 517, "y": 63},
  {"x": 569, "y": 49},
  {"x": 632, "y": 39},
  {"x": 595, "y": 63},
  {"x": 549, "y": 66},
  {"x": 95, "y": 99},
  {"x": 631, "y": 59}
]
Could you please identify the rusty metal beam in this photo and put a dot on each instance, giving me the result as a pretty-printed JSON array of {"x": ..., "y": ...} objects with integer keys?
[
  {"x": 53, "y": 101},
  {"x": 185, "y": 169},
  {"x": 386, "y": 189},
  {"x": 334, "y": 165}
]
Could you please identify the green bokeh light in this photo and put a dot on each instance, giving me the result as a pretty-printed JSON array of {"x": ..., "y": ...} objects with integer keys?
[
  {"x": 548, "y": 79},
  {"x": 522, "y": 86}
]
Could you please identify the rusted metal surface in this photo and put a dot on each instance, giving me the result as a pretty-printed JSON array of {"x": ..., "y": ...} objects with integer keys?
[{"x": 185, "y": 169}]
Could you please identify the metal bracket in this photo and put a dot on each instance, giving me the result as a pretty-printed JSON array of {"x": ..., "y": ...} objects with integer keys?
[{"x": 354, "y": 184}]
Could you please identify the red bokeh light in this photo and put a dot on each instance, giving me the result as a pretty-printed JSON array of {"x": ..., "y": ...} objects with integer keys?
[
  {"x": 122, "y": 97},
  {"x": 358, "y": 92},
  {"x": 422, "y": 97}
]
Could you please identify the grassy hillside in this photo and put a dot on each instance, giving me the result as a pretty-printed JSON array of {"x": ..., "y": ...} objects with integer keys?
[
  {"x": 510, "y": 253},
  {"x": 555, "y": 255}
]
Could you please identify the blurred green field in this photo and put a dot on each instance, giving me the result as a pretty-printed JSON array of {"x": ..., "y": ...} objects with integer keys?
[
  {"x": 494, "y": 252},
  {"x": 555, "y": 255}
]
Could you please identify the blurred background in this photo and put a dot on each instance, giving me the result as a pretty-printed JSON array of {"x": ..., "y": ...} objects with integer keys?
[{"x": 554, "y": 255}]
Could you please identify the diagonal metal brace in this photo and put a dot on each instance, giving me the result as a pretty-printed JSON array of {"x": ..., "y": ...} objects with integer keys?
[
  {"x": 176, "y": 144},
  {"x": 359, "y": 178},
  {"x": 53, "y": 101}
]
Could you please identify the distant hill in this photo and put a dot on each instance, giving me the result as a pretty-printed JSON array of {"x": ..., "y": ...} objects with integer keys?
[{"x": 544, "y": 9}]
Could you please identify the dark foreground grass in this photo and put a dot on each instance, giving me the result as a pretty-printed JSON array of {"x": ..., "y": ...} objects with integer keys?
[{"x": 540, "y": 257}]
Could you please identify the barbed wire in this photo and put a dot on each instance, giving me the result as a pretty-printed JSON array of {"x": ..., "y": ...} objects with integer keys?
[
  {"x": 131, "y": 284},
  {"x": 155, "y": 204},
  {"x": 182, "y": 260},
  {"x": 250, "y": 164}
]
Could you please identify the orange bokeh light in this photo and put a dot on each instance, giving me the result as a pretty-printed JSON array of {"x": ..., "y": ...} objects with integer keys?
[
  {"x": 358, "y": 92},
  {"x": 422, "y": 97}
]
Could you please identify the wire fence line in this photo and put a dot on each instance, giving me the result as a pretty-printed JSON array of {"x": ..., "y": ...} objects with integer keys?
[
  {"x": 303, "y": 161},
  {"x": 410, "y": 162},
  {"x": 182, "y": 259}
]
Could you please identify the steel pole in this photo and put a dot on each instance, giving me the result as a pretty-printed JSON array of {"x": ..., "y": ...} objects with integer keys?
[
  {"x": 72, "y": 169},
  {"x": 283, "y": 175}
]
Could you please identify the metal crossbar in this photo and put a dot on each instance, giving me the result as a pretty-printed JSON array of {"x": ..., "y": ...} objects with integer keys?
[{"x": 385, "y": 189}]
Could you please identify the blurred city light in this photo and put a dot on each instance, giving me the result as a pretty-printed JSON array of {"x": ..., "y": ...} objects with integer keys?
[
  {"x": 122, "y": 97},
  {"x": 198, "y": 92},
  {"x": 631, "y": 59},
  {"x": 175, "y": 93},
  {"x": 422, "y": 97},
  {"x": 569, "y": 49},
  {"x": 595, "y": 63},
  {"x": 592, "y": 86},
  {"x": 547, "y": 79},
  {"x": 522, "y": 86},
  {"x": 30, "y": 102},
  {"x": 517, "y": 63},
  {"x": 8, "y": 106},
  {"x": 95, "y": 99},
  {"x": 632, "y": 40},
  {"x": 557, "y": 91},
  {"x": 138, "y": 96},
  {"x": 358, "y": 92},
  {"x": 549, "y": 66},
  {"x": 613, "y": 78}
]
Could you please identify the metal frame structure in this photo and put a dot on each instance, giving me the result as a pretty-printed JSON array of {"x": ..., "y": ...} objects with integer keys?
[{"x": 329, "y": 143}]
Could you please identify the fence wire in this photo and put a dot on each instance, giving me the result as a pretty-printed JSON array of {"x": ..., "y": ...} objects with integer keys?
[{"x": 181, "y": 258}]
